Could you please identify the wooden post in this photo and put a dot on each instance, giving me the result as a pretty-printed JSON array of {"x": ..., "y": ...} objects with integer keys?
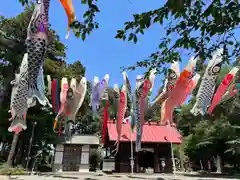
[
  {"x": 12, "y": 150},
  {"x": 30, "y": 144}
]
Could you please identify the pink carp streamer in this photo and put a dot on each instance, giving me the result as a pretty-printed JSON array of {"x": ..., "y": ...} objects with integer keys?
[
  {"x": 222, "y": 89},
  {"x": 177, "y": 95},
  {"x": 63, "y": 99},
  {"x": 121, "y": 113}
]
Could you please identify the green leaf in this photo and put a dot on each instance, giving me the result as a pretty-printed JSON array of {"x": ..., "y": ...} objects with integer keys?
[
  {"x": 147, "y": 21},
  {"x": 84, "y": 1},
  {"x": 77, "y": 34},
  {"x": 130, "y": 37},
  {"x": 135, "y": 39},
  {"x": 83, "y": 36}
]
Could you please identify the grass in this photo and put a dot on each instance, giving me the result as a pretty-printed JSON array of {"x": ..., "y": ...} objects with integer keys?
[{"x": 5, "y": 170}]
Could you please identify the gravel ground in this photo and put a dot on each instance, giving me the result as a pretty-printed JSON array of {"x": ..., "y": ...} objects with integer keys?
[{"x": 108, "y": 177}]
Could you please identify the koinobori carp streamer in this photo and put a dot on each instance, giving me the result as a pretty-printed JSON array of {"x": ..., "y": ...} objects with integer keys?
[
  {"x": 120, "y": 116},
  {"x": 40, "y": 94},
  {"x": 95, "y": 95},
  {"x": 190, "y": 87},
  {"x": 178, "y": 93},
  {"x": 128, "y": 85},
  {"x": 170, "y": 82},
  {"x": 103, "y": 92},
  {"x": 63, "y": 98},
  {"x": 18, "y": 104},
  {"x": 134, "y": 105},
  {"x": 222, "y": 88},
  {"x": 69, "y": 9},
  {"x": 71, "y": 98},
  {"x": 36, "y": 44},
  {"x": 144, "y": 92},
  {"x": 30, "y": 83},
  {"x": 139, "y": 85},
  {"x": 76, "y": 100},
  {"x": 116, "y": 101},
  {"x": 208, "y": 83}
]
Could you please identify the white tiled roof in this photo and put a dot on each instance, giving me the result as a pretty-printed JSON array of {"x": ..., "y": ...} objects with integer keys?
[{"x": 83, "y": 139}]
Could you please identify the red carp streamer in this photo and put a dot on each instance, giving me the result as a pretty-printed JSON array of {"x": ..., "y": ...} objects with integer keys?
[
  {"x": 54, "y": 95},
  {"x": 177, "y": 95},
  {"x": 146, "y": 89},
  {"x": 105, "y": 120},
  {"x": 222, "y": 88}
]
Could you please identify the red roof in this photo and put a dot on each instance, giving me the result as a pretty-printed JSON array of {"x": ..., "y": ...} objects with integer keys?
[{"x": 152, "y": 133}]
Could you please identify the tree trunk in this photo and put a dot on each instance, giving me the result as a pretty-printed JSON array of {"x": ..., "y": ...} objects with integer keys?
[
  {"x": 12, "y": 150},
  {"x": 20, "y": 155},
  {"x": 3, "y": 148},
  {"x": 219, "y": 164}
]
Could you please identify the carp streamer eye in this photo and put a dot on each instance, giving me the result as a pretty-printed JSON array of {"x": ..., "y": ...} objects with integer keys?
[
  {"x": 70, "y": 93},
  {"x": 149, "y": 85},
  {"x": 172, "y": 76},
  {"x": 216, "y": 69}
]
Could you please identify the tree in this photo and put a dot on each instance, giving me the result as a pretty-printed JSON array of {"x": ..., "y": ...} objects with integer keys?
[
  {"x": 201, "y": 27},
  {"x": 13, "y": 33}
]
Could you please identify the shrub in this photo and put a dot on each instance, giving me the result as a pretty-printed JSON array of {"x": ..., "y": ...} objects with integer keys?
[{"x": 5, "y": 170}]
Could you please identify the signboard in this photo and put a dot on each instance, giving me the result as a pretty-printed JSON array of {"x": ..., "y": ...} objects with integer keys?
[
  {"x": 148, "y": 149},
  {"x": 85, "y": 158},
  {"x": 58, "y": 158}
]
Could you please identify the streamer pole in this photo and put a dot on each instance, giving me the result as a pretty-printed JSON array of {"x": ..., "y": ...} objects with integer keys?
[
  {"x": 131, "y": 159},
  {"x": 172, "y": 154}
]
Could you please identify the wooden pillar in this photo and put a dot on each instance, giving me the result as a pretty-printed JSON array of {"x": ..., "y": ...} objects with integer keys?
[
  {"x": 156, "y": 161},
  {"x": 137, "y": 162},
  {"x": 169, "y": 165}
]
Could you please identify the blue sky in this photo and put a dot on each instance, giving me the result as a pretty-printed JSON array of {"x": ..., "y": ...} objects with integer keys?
[{"x": 101, "y": 53}]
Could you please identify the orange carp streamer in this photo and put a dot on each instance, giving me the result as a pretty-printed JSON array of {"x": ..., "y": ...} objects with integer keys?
[
  {"x": 177, "y": 95},
  {"x": 69, "y": 9},
  {"x": 191, "y": 85}
]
